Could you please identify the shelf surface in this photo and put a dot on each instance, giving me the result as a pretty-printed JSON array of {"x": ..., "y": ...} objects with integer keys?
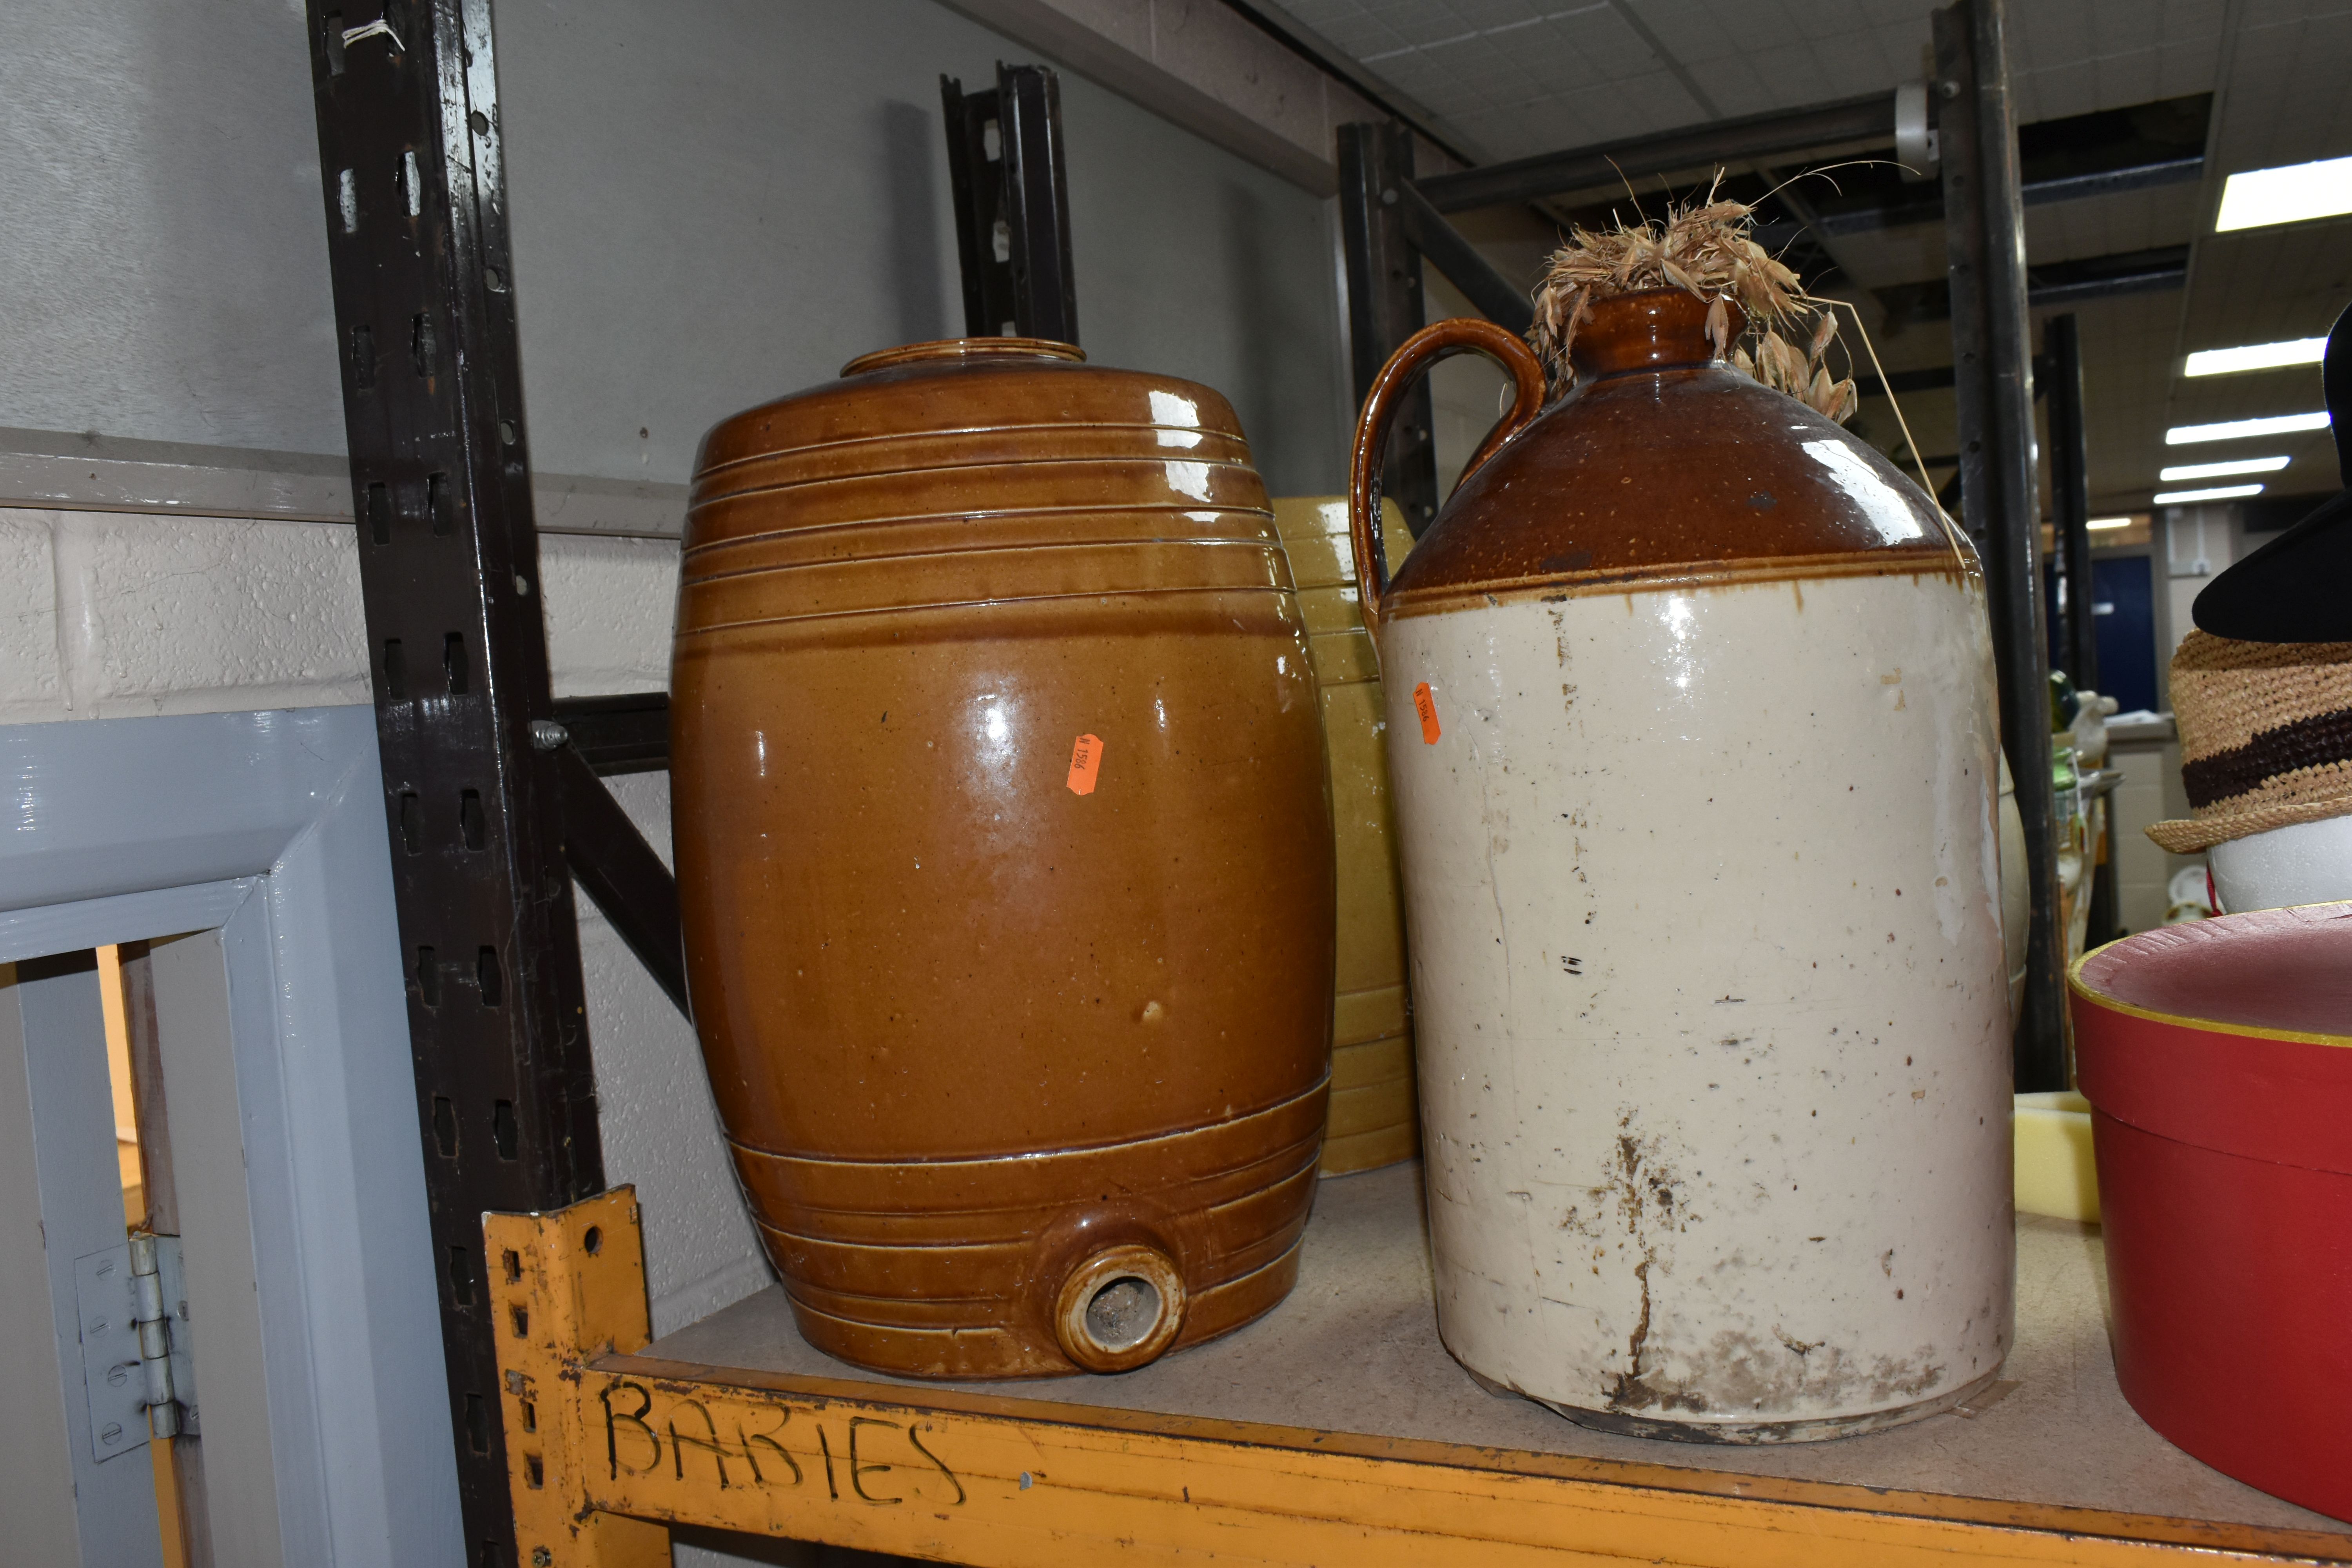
[{"x": 1355, "y": 1350}]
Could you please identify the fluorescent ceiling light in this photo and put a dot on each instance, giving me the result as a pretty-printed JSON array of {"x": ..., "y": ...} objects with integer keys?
[
  {"x": 2110, "y": 522},
  {"x": 2231, "y": 429},
  {"x": 2222, "y": 470},
  {"x": 2259, "y": 197},
  {"x": 2256, "y": 356},
  {"x": 2219, "y": 492}
]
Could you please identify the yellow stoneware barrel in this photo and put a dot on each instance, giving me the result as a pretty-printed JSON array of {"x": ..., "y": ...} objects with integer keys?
[{"x": 1375, "y": 1118}]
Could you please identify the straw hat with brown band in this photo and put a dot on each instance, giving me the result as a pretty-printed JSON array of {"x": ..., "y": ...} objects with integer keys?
[
  {"x": 2263, "y": 689},
  {"x": 2265, "y": 737}
]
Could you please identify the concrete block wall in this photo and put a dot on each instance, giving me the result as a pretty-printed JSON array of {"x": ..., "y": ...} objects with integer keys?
[
  {"x": 114, "y": 616},
  {"x": 32, "y": 666},
  {"x": 110, "y": 616},
  {"x": 121, "y": 614}
]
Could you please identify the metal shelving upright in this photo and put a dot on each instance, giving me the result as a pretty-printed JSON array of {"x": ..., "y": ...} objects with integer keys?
[
  {"x": 1007, "y": 171},
  {"x": 488, "y": 813},
  {"x": 493, "y": 798}
]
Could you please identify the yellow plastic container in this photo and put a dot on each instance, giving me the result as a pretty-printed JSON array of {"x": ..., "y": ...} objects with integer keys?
[
  {"x": 1375, "y": 1116},
  {"x": 2055, "y": 1175}
]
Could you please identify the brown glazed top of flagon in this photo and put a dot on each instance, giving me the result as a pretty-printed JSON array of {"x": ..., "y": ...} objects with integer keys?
[{"x": 1665, "y": 465}]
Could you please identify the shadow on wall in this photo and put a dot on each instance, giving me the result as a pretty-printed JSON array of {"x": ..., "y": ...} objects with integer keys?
[
  {"x": 910, "y": 144},
  {"x": 714, "y": 203},
  {"x": 1463, "y": 390},
  {"x": 1191, "y": 263},
  {"x": 1279, "y": 342},
  {"x": 1253, "y": 279}
]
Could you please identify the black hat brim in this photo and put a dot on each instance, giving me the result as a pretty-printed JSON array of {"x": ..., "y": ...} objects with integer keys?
[{"x": 2296, "y": 588}]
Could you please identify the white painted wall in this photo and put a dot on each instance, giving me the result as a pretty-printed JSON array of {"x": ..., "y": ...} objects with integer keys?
[
  {"x": 1464, "y": 392},
  {"x": 2151, "y": 790},
  {"x": 2194, "y": 545},
  {"x": 714, "y": 202}
]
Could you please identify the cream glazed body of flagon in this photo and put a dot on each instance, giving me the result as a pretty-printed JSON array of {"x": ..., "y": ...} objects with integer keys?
[{"x": 1692, "y": 733}]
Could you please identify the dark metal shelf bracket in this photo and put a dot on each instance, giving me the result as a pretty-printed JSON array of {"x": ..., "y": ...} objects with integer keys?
[
  {"x": 1006, "y": 169},
  {"x": 485, "y": 828},
  {"x": 1992, "y": 356}
]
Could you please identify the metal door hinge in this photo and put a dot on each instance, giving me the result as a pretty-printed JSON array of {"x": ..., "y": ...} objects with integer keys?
[{"x": 137, "y": 1364}]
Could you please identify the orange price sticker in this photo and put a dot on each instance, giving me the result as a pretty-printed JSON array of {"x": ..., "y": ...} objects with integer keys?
[
  {"x": 1085, "y": 762},
  {"x": 1424, "y": 704}
]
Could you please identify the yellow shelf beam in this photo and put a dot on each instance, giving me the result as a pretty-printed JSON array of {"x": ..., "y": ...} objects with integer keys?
[{"x": 606, "y": 1447}]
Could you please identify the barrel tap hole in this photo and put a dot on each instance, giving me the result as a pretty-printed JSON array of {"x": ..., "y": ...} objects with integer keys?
[{"x": 1122, "y": 1314}]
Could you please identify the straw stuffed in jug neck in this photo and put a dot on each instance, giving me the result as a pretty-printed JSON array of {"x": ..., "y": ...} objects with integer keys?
[
  {"x": 1701, "y": 248},
  {"x": 1706, "y": 249}
]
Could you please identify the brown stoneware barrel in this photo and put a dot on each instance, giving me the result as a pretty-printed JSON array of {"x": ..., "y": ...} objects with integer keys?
[{"x": 1004, "y": 855}]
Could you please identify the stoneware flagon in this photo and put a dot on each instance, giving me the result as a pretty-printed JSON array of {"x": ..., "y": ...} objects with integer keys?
[
  {"x": 1004, "y": 858},
  {"x": 1375, "y": 1119},
  {"x": 1692, "y": 729}
]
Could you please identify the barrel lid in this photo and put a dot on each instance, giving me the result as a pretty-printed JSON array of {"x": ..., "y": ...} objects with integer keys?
[
  {"x": 965, "y": 351},
  {"x": 1664, "y": 464},
  {"x": 975, "y": 387}
]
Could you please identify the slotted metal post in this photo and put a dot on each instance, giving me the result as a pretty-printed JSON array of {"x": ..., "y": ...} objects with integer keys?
[
  {"x": 1384, "y": 302},
  {"x": 2070, "y": 499},
  {"x": 411, "y": 147},
  {"x": 1446, "y": 248},
  {"x": 1993, "y": 383},
  {"x": 2060, "y": 369},
  {"x": 1007, "y": 169}
]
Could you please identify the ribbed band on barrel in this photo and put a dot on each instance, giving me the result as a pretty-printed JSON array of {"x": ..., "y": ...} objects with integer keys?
[{"x": 2265, "y": 737}]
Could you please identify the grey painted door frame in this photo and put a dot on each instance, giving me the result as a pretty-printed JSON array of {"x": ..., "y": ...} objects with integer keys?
[{"x": 269, "y": 829}]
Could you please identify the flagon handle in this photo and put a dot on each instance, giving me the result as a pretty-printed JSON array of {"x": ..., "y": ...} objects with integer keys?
[{"x": 1440, "y": 340}]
